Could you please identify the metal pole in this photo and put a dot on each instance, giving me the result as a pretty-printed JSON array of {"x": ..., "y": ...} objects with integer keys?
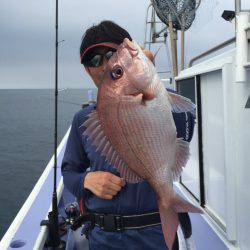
[
  {"x": 237, "y": 11},
  {"x": 146, "y": 26},
  {"x": 237, "y": 6},
  {"x": 182, "y": 43},
  {"x": 182, "y": 49},
  {"x": 152, "y": 27},
  {"x": 242, "y": 20},
  {"x": 173, "y": 47}
]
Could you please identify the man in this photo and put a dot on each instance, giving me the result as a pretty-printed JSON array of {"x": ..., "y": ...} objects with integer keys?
[{"x": 126, "y": 215}]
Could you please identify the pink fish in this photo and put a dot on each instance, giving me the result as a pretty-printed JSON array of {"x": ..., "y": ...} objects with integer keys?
[{"x": 134, "y": 129}]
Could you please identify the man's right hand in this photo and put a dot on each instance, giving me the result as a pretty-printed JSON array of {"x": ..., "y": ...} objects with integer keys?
[{"x": 105, "y": 185}]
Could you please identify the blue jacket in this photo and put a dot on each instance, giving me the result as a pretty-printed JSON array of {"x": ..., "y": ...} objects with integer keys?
[{"x": 137, "y": 198}]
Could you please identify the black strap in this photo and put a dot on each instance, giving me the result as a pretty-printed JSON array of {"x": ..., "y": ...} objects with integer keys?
[
  {"x": 111, "y": 222},
  {"x": 185, "y": 223},
  {"x": 81, "y": 220}
]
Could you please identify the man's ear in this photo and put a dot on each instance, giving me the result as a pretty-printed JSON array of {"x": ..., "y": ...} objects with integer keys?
[{"x": 87, "y": 70}]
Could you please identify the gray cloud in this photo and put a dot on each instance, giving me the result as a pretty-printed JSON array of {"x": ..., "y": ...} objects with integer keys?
[{"x": 27, "y": 36}]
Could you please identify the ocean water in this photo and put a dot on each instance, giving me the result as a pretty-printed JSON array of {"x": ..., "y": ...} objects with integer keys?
[{"x": 27, "y": 139}]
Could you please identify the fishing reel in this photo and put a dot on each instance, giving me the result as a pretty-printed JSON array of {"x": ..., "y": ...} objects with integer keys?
[
  {"x": 72, "y": 211},
  {"x": 75, "y": 220}
]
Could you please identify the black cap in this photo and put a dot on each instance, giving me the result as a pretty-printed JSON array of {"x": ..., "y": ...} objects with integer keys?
[{"x": 104, "y": 32}]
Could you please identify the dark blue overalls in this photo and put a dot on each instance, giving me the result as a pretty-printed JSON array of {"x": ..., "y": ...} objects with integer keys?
[{"x": 137, "y": 198}]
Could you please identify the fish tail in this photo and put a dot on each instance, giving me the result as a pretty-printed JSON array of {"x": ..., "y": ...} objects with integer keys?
[
  {"x": 169, "y": 223},
  {"x": 169, "y": 216}
]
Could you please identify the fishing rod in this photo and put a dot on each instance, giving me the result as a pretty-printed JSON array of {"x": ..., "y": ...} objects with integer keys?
[
  {"x": 56, "y": 237},
  {"x": 52, "y": 223}
]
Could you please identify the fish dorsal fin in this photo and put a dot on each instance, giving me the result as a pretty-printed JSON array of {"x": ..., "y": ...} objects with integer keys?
[
  {"x": 99, "y": 140},
  {"x": 181, "y": 104},
  {"x": 182, "y": 156}
]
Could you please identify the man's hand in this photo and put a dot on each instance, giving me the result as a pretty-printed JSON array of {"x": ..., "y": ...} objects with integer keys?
[
  {"x": 105, "y": 185},
  {"x": 148, "y": 54}
]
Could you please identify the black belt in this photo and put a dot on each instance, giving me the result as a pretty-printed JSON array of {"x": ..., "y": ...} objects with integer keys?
[
  {"x": 111, "y": 222},
  {"x": 116, "y": 223}
]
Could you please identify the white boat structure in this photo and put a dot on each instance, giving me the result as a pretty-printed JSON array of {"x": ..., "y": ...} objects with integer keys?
[{"x": 217, "y": 174}]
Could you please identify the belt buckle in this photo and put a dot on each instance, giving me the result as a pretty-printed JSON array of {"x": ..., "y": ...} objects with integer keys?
[
  {"x": 119, "y": 223},
  {"x": 109, "y": 223}
]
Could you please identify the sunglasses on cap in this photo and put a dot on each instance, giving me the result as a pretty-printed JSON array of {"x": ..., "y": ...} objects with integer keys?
[{"x": 97, "y": 59}]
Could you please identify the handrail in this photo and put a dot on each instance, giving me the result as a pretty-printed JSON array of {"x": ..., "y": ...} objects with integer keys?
[
  {"x": 220, "y": 46},
  {"x": 146, "y": 27}
]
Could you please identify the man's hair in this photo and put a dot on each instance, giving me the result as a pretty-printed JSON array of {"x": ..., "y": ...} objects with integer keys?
[{"x": 105, "y": 31}]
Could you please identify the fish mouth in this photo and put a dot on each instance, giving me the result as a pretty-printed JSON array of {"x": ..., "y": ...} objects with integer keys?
[
  {"x": 131, "y": 47},
  {"x": 129, "y": 44}
]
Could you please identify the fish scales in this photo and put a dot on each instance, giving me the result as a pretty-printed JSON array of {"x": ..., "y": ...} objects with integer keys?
[
  {"x": 111, "y": 124},
  {"x": 145, "y": 134}
]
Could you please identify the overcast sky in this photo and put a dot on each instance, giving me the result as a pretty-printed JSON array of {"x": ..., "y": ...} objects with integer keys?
[{"x": 27, "y": 36}]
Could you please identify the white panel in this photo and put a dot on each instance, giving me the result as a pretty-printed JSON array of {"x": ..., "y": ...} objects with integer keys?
[
  {"x": 230, "y": 132},
  {"x": 190, "y": 175},
  {"x": 213, "y": 142},
  {"x": 242, "y": 92}
]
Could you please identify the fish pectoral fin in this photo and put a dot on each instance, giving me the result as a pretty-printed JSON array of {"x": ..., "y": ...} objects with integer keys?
[
  {"x": 181, "y": 104},
  {"x": 182, "y": 156},
  {"x": 96, "y": 135}
]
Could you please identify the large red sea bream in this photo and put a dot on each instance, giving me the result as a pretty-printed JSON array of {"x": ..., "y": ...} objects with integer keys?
[{"x": 134, "y": 129}]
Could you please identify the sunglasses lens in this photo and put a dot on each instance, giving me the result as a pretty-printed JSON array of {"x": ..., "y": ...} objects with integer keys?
[
  {"x": 96, "y": 60},
  {"x": 109, "y": 54}
]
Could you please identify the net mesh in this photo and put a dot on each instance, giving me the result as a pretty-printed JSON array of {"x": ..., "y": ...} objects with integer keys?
[{"x": 182, "y": 12}]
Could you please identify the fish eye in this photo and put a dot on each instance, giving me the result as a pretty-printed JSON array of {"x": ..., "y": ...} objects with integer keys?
[{"x": 117, "y": 72}]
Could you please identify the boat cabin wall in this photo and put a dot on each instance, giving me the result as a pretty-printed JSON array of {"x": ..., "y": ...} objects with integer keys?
[{"x": 218, "y": 171}]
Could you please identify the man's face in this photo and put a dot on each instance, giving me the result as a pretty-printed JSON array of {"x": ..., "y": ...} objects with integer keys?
[{"x": 96, "y": 73}]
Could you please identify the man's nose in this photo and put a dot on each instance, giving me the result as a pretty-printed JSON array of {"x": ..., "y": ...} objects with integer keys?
[{"x": 104, "y": 63}]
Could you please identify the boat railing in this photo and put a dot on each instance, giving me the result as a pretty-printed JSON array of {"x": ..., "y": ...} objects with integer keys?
[
  {"x": 19, "y": 233},
  {"x": 212, "y": 50}
]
